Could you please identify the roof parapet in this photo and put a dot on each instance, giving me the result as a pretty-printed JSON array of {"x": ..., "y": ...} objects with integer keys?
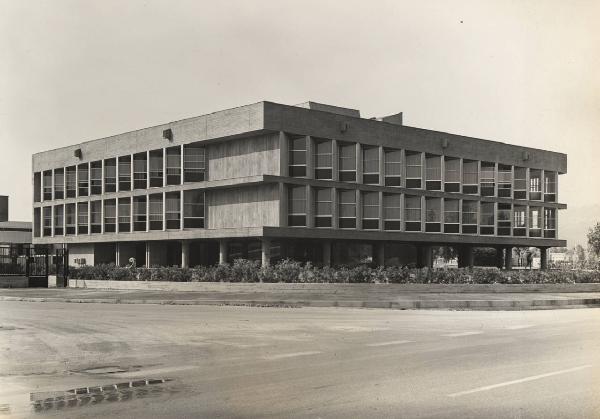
[{"x": 330, "y": 108}]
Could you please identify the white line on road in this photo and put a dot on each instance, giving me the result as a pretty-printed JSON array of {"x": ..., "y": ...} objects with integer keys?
[
  {"x": 521, "y": 380},
  {"x": 455, "y": 335},
  {"x": 393, "y": 342},
  {"x": 291, "y": 355},
  {"x": 519, "y": 326}
]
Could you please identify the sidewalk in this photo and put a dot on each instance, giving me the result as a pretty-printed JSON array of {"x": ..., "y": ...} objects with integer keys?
[{"x": 345, "y": 297}]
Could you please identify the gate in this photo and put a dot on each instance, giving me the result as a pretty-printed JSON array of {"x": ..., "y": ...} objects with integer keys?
[
  {"x": 61, "y": 261},
  {"x": 37, "y": 266}
]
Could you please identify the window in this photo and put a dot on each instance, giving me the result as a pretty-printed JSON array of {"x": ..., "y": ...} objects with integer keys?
[
  {"x": 110, "y": 216},
  {"x": 59, "y": 183},
  {"x": 549, "y": 186},
  {"x": 488, "y": 178},
  {"x": 156, "y": 168},
  {"x": 83, "y": 179},
  {"x": 125, "y": 173},
  {"x": 59, "y": 213},
  {"x": 370, "y": 165},
  {"x": 193, "y": 209},
  {"x": 451, "y": 174},
  {"x": 96, "y": 216},
  {"x": 347, "y": 208},
  {"x": 520, "y": 183},
  {"x": 174, "y": 165},
  {"x": 173, "y": 210},
  {"x": 504, "y": 181},
  {"x": 412, "y": 213},
  {"x": 433, "y": 215},
  {"x": 550, "y": 223},
  {"x": 469, "y": 217},
  {"x": 140, "y": 171},
  {"x": 47, "y": 221},
  {"x": 433, "y": 172},
  {"x": 347, "y": 162},
  {"x": 82, "y": 218},
  {"x": 535, "y": 185},
  {"x": 36, "y": 222},
  {"x": 451, "y": 216},
  {"x": 393, "y": 167},
  {"x": 504, "y": 219},
  {"x": 297, "y": 156},
  {"x": 535, "y": 222},
  {"x": 470, "y": 177},
  {"x": 70, "y": 219},
  {"x": 48, "y": 185},
  {"x": 71, "y": 181},
  {"x": 392, "y": 211},
  {"x": 37, "y": 187},
  {"x": 124, "y": 215},
  {"x": 156, "y": 211},
  {"x": 413, "y": 170},
  {"x": 194, "y": 163},
  {"x": 520, "y": 221},
  {"x": 110, "y": 175},
  {"x": 486, "y": 224},
  {"x": 370, "y": 210},
  {"x": 323, "y": 159},
  {"x": 139, "y": 213},
  {"x": 297, "y": 206},
  {"x": 323, "y": 207},
  {"x": 96, "y": 177}
]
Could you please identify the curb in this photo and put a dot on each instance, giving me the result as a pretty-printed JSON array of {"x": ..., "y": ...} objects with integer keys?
[{"x": 401, "y": 305}]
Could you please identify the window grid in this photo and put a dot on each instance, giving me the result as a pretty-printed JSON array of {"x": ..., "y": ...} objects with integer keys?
[
  {"x": 173, "y": 165},
  {"x": 156, "y": 168},
  {"x": 140, "y": 171},
  {"x": 194, "y": 163},
  {"x": 71, "y": 181},
  {"x": 173, "y": 210},
  {"x": 156, "y": 212},
  {"x": 139, "y": 213},
  {"x": 347, "y": 162},
  {"x": 193, "y": 209},
  {"x": 393, "y": 167},
  {"x": 110, "y": 175},
  {"x": 96, "y": 216},
  {"x": 392, "y": 211},
  {"x": 82, "y": 218},
  {"x": 297, "y": 206},
  {"x": 110, "y": 216},
  {"x": 58, "y": 220},
  {"x": 297, "y": 156},
  {"x": 370, "y": 210},
  {"x": 414, "y": 168},
  {"x": 124, "y": 215},
  {"x": 125, "y": 173},
  {"x": 323, "y": 207},
  {"x": 96, "y": 178},
  {"x": 70, "y": 219},
  {"x": 59, "y": 184},
  {"x": 347, "y": 208},
  {"x": 323, "y": 159}
]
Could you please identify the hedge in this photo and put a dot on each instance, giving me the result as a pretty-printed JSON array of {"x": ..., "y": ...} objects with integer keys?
[{"x": 291, "y": 271}]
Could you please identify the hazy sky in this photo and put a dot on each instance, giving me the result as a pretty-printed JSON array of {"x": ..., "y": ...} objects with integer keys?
[{"x": 522, "y": 72}]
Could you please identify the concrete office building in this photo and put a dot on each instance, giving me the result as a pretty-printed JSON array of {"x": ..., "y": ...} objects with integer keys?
[
  {"x": 12, "y": 232},
  {"x": 309, "y": 182}
]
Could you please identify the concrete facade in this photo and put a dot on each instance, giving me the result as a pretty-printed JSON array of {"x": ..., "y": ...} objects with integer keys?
[{"x": 311, "y": 182}]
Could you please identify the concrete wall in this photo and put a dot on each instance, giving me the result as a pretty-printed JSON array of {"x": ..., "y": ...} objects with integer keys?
[
  {"x": 254, "y": 206},
  {"x": 79, "y": 251},
  {"x": 14, "y": 282}
]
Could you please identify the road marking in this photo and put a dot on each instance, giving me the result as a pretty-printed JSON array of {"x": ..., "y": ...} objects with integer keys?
[
  {"x": 393, "y": 342},
  {"x": 455, "y": 335},
  {"x": 519, "y": 326},
  {"x": 292, "y": 355},
  {"x": 521, "y": 380}
]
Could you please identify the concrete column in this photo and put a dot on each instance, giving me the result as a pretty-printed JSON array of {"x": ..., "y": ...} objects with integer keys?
[
  {"x": 148, "y": 254},
  {"x": 266, "y": 251},
  {"x": 283, "y": 154},
  {"x": 326, "y": 253},
  {"x": 185, "y": 254},
  {"x": 508, "y": 258},
  {"x": 379, "y": 250},
  {"x": 222, "y": 252},
  {"x": 117, "y": 254},
  {"x": 543, "y": 258}
]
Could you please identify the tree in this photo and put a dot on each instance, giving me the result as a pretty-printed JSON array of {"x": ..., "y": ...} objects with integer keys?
[
  {"x": 580, "y": 255},
  {"x": 594, "y": 239}
]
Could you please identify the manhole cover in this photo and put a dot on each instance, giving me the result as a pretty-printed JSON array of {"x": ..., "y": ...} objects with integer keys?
[{"x": 104, "y": 370}]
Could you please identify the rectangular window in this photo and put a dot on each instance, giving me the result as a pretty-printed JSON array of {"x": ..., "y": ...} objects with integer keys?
[
  {"x": 433, "y": 215},
  {"x": 486, "y": 223},
  {"x": 412, "y": 213},
  {"x": 193, "y": 209},
  {"x": 535, "y": 185},
  {"x": 110, "y": 215},
  {"x": 174, "y": 165},
  {"x": 392, "y": 211},
  {"x": 96, "y": 177},
  {"x": 549, "y": 186},
  {"x": 156, "y": 211},
  {"x": 297, "y": 206},
  {"x": 173, "y": 210},
  {"x": 505, "y": 181},
  {"x": 488, "y": 178},
  {"x": 469, "y": 217},
  {"x": 156, "y": 168},
  {"x": 451, "y": 216},
  {"x": 433, "y": 172},
  {"x": 59, "y": 213},
  {"x": 520, "y": 183},
  {"x": 347, "y": 162},
  {"x": 393, "y": 167},
  {"x": 370, "y": 210},
  {"x": 47, "y": 222},
  {"x": 48, "y": 185},
  {"x": 297, "y": 156},
  {"x": 370, "y": 165},
  {"x": 70, "y": 219},
  {"x": 323, "y": 159},
  {"x": 83, "y": 179},
  {"x": 125, "y": 173},
  {"x": 451, "y": 174},
  {"x": 124, "y": 215},
  {"x": 139, "y": 213},
  {"x": 96, "y": 216},
  {"x": 535, "y": 222},
  {"x": 194, "y": 163},
  {"x": 347, "y": 208},
  {"x": 140, "y": 171},
  {"x": 82, "y": 218},
  {"x": 470, "y": 177},
  {"x": 414, "y": 173},
  {"x": 323, "y": 207},
  {"x": 71, "y": 181},
  {"x": 550, "y": 223},
  {"x": 59, "y": 183},
  {"x": 36, "y": 222},
  {"x": 37, "y": 187},
  {"x": 504, "y": 219},
  {"x": 520, "y": 221},
  {"x": 110, "y": 175}
]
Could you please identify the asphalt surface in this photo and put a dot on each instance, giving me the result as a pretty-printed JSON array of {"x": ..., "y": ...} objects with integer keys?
[{"x": 241, "y": 362}]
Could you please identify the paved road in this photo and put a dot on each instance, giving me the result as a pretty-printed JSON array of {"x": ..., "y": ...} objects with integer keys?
[{"x": 274, "y": 362}]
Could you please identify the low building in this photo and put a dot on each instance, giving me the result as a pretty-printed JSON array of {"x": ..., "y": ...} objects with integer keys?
[
  {"x": 12, "y": 233},
  {"x": 311, "y": 182}
]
